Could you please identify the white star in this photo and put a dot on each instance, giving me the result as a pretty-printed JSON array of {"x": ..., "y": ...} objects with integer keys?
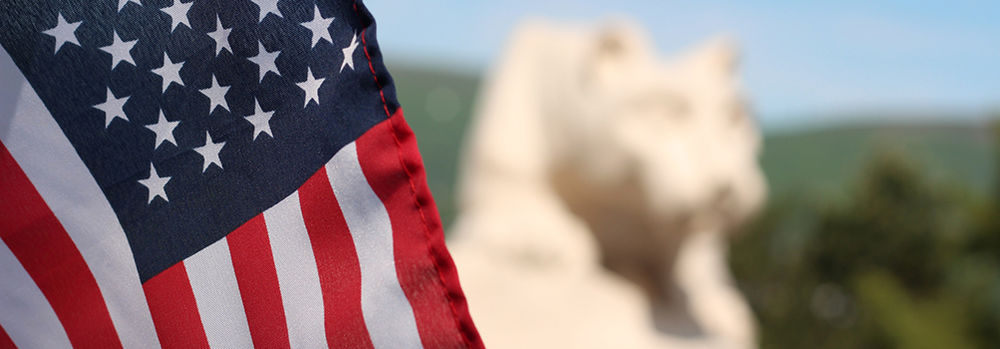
[
  {"x": 122, "y": 3},
  {"x": 170, "y": 71},
  {"x": 210, "y": 152},
  {"x": 349, "y": 53},
  {"x": 265, "y": 60},
  {"x": 267, "y": 6},
  {"x": 121, "y": 51},
  {"x": 155, "y": 184},
  {"x": 178, "y": 14},
  {"x": 217, "y": 95},
  {"x": 319, "y": 27},
  {"x": 63, "y": 32},
  {"x": 311, "y": 86},
  {"x": 221, "y": 37},
  {"x": 164, "y": 130},
  {"x": 112, "y": 108},
  {"x": 261, "y": 121}
]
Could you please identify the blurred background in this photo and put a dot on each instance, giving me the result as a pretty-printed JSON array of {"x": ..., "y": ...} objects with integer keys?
[{"x": 880, "y": 124}]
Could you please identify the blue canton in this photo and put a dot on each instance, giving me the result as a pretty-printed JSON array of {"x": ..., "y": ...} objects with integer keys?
[{"x": 196, "y": 116}]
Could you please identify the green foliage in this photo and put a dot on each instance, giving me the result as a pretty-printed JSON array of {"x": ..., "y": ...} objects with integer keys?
[{"x": 902, "y": 262}]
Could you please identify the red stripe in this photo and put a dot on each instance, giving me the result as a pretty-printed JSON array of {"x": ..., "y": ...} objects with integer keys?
[
  {"x": 5, "y": 341},
  {"x": 391, "y": 162},
  {"x": 175, "y": 314},
  {"x": 47, "y": 253},
  {"x": 253, "y": 264},
  {"x": 337, "y": 261}
]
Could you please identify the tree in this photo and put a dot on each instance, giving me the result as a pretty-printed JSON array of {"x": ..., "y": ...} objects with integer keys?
[{"x": 904, "y": 262}]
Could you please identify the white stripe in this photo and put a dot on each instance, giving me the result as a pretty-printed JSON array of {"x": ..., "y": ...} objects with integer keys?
[
  {"x": 45, "y": 154},
  {"x": 387, "y": 312},
  {"x": 298, "y": 277},
  {"x": 26, "y": 315},
  {"x": 217, "y": 294}
]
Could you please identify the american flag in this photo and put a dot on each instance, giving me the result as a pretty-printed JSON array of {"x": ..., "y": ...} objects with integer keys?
[{"x": 212, "y": 173}]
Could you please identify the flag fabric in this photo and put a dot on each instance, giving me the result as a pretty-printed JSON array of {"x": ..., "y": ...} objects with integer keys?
[{"x": 212, "y": 173}]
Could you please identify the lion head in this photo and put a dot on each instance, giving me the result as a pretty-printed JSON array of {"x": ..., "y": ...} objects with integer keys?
[
  {"x": 679, "y": 130},
  {"x": 588, "y": 145}
]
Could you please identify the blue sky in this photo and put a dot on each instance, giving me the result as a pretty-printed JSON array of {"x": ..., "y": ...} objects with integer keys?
[{"x": 802, "y": 61}]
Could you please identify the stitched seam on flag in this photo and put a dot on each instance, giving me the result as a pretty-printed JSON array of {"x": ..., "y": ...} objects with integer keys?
[
  {"x": 427, "y": 236},
  {"x": 413, "y": 193},
  {"x": 371, "y": 68}
]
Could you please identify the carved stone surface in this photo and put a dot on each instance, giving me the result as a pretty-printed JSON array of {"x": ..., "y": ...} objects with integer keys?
[{"x": 597, "y": 186}]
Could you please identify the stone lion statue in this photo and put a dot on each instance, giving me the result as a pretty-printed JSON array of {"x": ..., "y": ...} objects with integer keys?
[{"x": 596, "y": 188}]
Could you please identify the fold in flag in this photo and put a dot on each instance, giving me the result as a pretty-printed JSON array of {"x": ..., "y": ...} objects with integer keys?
[{"x": 212, "y": 173}]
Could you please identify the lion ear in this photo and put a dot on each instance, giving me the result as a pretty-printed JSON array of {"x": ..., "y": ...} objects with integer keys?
[
  {"x": 618, "y": 39},
  {"x": 719, "y": 55},
  {"x": 613, "y": 50}
]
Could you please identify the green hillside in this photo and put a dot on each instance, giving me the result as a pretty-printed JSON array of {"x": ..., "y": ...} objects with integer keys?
[
  {"x": 438, "y": 103},
  {"x": 820, "y": 161}
]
